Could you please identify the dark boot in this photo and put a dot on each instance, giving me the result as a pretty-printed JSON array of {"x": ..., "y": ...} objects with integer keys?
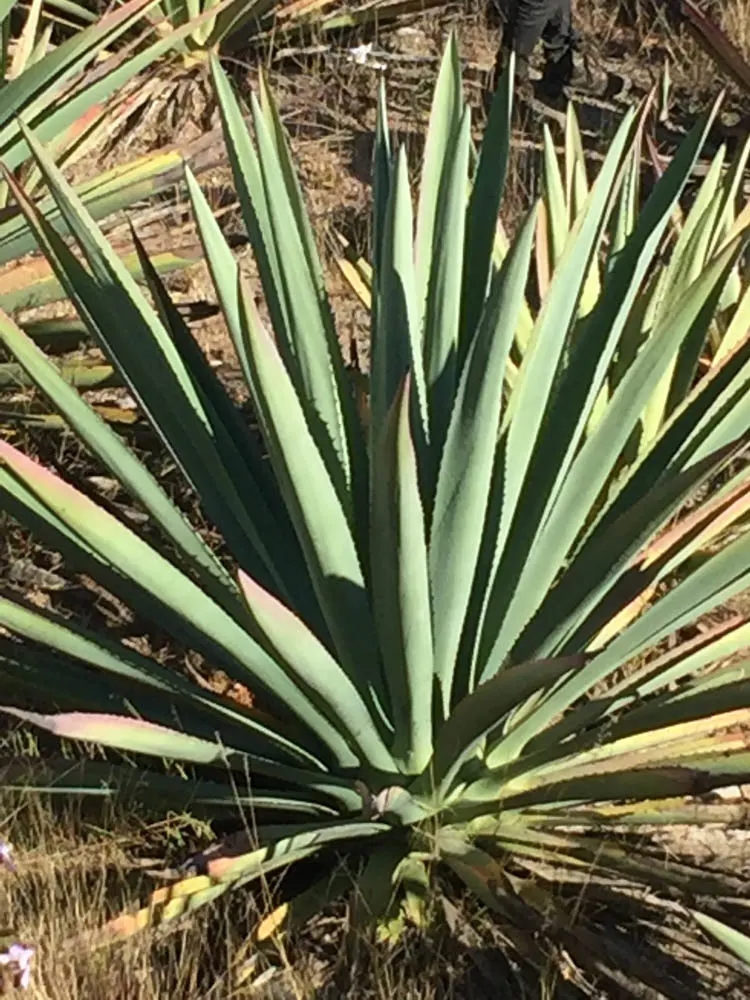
[
  {"x": 570, "y": 72},
  {"x": 560, "y": 43},
  {"x": 559, "y": 73}
]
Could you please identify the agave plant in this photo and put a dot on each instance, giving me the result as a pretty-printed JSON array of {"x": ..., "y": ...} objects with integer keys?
[
  {"x": 211, "y": 21},
  {"x": 695, "y": 237},
  {"x": 66, "y": 99},
  {"x": 416, "y": 589},
  {"x": 690, "y": 243},
  {"x": 71, "y": 94},
  {"x": 56, "y": 90}
]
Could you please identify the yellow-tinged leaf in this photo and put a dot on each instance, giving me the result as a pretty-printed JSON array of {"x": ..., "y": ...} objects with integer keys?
[
  {"x": 665, "y": 747},
  {"x": 740, "y": 223},
  {"x": 272, "y": 923},
  {"x": 543, "y": 251},
  {"x": 621, "y": 620},
  {"x": 300, "y": 8},
  {"x": 33, "y": 282},
  {"x": 737, "y": 331},
  {"x": 166, "y": 903},
  {"x": 356, "y": 280},
  {"x": 715, "y": 516},
  {"x": 701, "y": 526},
  {"x": 27, "y": 40},
  {"x": 391, "y": 928}
]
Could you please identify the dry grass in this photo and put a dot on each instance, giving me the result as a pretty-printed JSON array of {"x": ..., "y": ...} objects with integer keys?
[
  {"x": 76, "y": 867},
  {"x": 656, "y": 36},
  {"x": 734, "y": 18},
  {"x": 71, "y": 875}
]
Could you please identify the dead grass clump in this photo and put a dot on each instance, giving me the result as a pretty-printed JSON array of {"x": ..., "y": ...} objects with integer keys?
[
  {"x": 77, "y": 865},
  {"x": 71, "y": 874}
]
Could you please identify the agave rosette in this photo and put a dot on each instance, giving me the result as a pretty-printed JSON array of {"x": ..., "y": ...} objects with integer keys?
[
  {"x": 418, "y": 596},
  {"x": 210, "y": 23}
]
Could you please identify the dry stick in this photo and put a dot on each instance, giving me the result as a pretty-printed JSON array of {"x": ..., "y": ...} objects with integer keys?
[{"x": 712, "y": 40}]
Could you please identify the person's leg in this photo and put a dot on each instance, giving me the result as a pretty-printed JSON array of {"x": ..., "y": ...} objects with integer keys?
[
  {"x": 560, "y": 43},
  {"x": 523, "y": 30},
  {"x": 526, "y": 25},
  {"x": 558, "y": 34}
]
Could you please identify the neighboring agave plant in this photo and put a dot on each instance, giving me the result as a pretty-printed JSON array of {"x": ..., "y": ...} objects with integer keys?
[
  {"x": 58, "y": 92},
  {"x": 688, "y": 245},
  {"x": 416, "y": 595},
  {"x": 67, "y": 102},
  {"x": 71, "y": 97},
  {"x": 697, "y": 235},
  {"x": 211, "y": 23}
]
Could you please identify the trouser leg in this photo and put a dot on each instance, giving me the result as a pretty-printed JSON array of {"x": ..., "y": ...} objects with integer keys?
[
  {"x": 532, "y": 21},
  {"x": 560, "y": 42},
  {"x": 522, "y": 31},
  {"x": 526, "y": 24},
  {"x": 558, "y": 34}
]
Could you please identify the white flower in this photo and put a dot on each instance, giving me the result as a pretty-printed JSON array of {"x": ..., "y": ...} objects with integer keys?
[
  {"x": 362, "y": 56},
  {"x": 18, "y": 959},
  {"x": 6, "y": 856},
  {"x": 361, "y": 53}
]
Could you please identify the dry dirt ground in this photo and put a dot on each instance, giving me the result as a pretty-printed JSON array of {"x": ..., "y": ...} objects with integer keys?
[{"x": 77, "y": 865}]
